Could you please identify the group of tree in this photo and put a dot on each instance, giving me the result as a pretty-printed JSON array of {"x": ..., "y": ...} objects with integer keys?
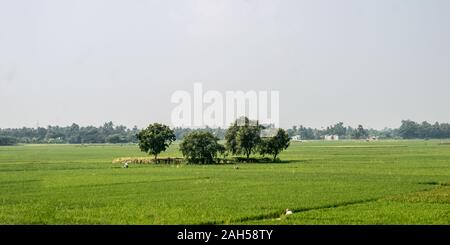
[
  {"x": 197, "y": 146},
  {"x": 275, "y": 144},
  {"x": 243, "y": 137},
  {"x": 203, "y": 147},
  {"x": 74, "y": 134},
  {"x": 412, "y": 130},
  {"x": 7, "y": 140},
  {"x": 344, "y": 132},
  {"x": 408, "y": 130},
  {"x": 110, "y": 133}
]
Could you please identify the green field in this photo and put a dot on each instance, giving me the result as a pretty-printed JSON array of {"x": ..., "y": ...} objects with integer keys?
[{"x": 346, "y": 182}]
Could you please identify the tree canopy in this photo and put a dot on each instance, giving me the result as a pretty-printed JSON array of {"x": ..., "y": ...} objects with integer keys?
[
  {"x": 111, "y": 133},
  {"x": 243, "y": 137},
  {"x": 360, "y": 133},
  {"x": 73, "y": 134},
  {"x": 155, "y": 139},
  {"x": 7, "y": 140},
  {"x": 201, "y": 147},
  {"x": 274, "y": 145}
]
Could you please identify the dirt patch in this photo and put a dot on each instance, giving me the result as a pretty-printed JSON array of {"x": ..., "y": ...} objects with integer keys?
[{"x": 147, "y": 160}]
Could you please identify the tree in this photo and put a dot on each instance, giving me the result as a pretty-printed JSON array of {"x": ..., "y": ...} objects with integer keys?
[
  {"x": 409, "y": 129},
  {"x": 91, "y": 134},
  {"x": 201, "y": 147},
  {"x": 116, "y": 138},
  {"x": 274, "y": 145},
  {"x": 425, "y": 130},
  {"x": 248, "y": 138},
  {"x": 155, "y": 139},
  {"x": 7, "y": 140},
  {"x": 243, "y": 137},
  {"x": 230, "y": 139},
  {"x": 360, "y": 133},
  {"x": 337, "y": 129},
  {"x": 108, "y": 128}
]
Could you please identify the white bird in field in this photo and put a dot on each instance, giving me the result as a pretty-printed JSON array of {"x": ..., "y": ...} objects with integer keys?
[{"x": 288, "y": 212}]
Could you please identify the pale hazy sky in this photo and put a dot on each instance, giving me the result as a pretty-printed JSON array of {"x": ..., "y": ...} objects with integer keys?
[{"x": 373, "y": 62}]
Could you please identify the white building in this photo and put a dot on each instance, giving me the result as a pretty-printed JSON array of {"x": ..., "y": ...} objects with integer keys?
[
  {"x": 296, "y": 138},
  {"x": 331, "y": 137},
  {"x": 372, "y": 138}
]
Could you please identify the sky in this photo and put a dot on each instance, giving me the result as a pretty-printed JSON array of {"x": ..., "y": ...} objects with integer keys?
[{"x": 369, "y": 62}]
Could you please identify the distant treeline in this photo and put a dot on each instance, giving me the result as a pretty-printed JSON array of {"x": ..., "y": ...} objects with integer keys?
[
  {"x": 74, "y": 134},
  {"x": 408, "y": 130},
  {"x": 344, "y": 132},
  {"x": 110, "y": 133}
]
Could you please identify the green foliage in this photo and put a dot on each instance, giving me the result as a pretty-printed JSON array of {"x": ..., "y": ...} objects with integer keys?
[
  {"x": 409, "y": 129},
  {"x": 248, "y": 138},
  {"x": 201, "y": 147},
  {"x": 7, "y": 140},
  {"x": 274, "y": 145},
  {"x": 116, "y": 139},
  {"x": 231, "y": 139},
  {"x": 155, "y": 139},
  {"x": 360, "y": 133},
  {"x": 76, "y": 134},
  {"x": 412, "y": 130},
  {"x": 337, "y": 129},
  {"x": 305, "y": 132},
  {"x": 73, "y": 134},
  {"x": 243, "y": 137}
]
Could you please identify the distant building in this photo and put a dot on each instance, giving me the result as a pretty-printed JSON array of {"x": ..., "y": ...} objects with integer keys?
[
  {"x": 331, "y": 137},
  {"x": 372, "y": 138},
  {"x": 296, "y": 138}
]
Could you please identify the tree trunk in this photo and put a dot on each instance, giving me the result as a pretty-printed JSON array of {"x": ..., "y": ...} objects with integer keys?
[{"x": 275, "y": 156}]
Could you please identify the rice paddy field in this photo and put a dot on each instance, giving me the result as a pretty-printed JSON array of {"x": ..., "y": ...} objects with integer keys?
[{"x": 343, "y": 182}]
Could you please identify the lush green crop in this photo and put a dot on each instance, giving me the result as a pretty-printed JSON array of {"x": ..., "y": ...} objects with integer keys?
[{"x": 347, "y": 182}]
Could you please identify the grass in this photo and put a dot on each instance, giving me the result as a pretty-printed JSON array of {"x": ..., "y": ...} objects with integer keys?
[{"x": 345, "y": 182}]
